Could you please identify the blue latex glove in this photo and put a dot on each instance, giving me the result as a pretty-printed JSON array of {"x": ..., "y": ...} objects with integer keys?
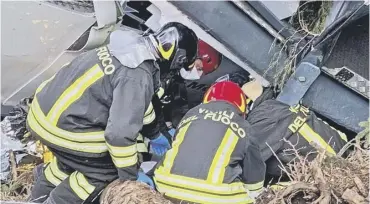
[
  {"x": 160, "y": 145},
  {"x": 142, "y": 177},
  {"x": 172, "y": 132}
]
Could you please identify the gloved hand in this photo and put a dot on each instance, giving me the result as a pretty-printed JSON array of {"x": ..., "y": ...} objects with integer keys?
[
  {"x": 142, "y": 177},
  {"x": 161, "y": 144}
]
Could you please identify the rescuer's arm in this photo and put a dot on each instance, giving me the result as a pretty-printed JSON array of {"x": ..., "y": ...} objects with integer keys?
[
  {"x": 131, "y": 97},
  {"x": 254, "y": 168},
  {"x": 151, "y": 126}
]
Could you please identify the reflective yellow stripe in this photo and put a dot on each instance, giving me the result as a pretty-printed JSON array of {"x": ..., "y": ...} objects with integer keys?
[
  {"x": 255, "y": 186},
  {"x": 122, "y": 151},
  {"x": 56, "y": 171},
  {"x": 149, "y": 115},
  {"x": 123, "y": 156},
  {"x": 82, "y": 147},
  {"x": 140, "y": 145},
  {"x": 74, "y": 92},
  {"x": 43, "y": 84},
  {"x": 171, "y": 154},
  {"x": 121, "y": 162},
  {"x": 149, "y": 109},
  {"x": 160, "y": 92},
  {"x": 51, "y": 177},
  {"x": 84, "y": 183},
  {"x": 222, "y": 157},
  {"x": 341, "y": 134},
  {"x": 198, "y": 197},
  {"x": 312, "y": 136},
  {"x": 199, "y": 184},
  {"x": 149, "y": 119},
  {"x": 78, "y": 137},
  {"x": 80, "y": 185}
]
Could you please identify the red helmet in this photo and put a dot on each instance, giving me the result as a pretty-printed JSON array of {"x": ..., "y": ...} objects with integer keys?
[
  {"x": 210, "y": 57},
  {"x": 226, "y": 91}
]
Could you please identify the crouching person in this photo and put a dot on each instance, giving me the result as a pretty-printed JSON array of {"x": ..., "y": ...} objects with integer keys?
[
  {"x": 90, "y": 112},
  {"x": 213, "y": 159},
  {"x": 281, "y": 128}
]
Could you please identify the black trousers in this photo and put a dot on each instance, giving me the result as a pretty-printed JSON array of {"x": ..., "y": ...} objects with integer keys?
[{"x": 70, "y": 181}]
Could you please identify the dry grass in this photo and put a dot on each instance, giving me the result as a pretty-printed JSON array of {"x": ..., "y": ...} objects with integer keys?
[
  {"x": 19, "y": 188},
  {"x": 327, "y": 179}
]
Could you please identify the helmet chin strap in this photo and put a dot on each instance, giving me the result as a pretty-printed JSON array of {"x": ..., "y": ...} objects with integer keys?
[{"x": 153, "y": 45}]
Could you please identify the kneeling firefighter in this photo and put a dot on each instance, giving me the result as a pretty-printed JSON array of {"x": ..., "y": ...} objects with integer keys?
[
  {"x": 90, "y": 112},
  {"x": 213, "y": 159},
  {"x": 280, "y": 128}
]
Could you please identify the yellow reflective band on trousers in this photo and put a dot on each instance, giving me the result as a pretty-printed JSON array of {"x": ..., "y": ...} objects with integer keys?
[
  {"x": 74, "y": 92},
  {"x": 48, "y": 126},
  {"x": 311, "y": 136},
  {"x": 56, "y": 140},
  {"x": 221, "y": 159},
  {"x": 123, "y": 156},
  {"x": 51, "y": 177},
  {"x": 171, "y": 154},
  {"x": 149, "y": 115},
  {"x": 80, "y": 185},
  {"x": 206, "y": 195},
  {"x": 255, "y": 186},
  {"x": 56, "y": 171}
]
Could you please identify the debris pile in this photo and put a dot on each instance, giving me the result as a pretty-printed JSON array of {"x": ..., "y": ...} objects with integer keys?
[
  {"x": 328, "y": 178},
  {"x": 20, "y": 153}
]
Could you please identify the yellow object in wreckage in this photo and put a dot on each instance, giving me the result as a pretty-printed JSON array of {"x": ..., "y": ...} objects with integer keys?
[{"x": 47, "y": 155}]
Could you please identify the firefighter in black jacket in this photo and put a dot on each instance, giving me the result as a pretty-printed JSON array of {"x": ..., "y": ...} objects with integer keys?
[
  {"x": 213, "y": 159},
  {"x": 279, "y": 128},
  {"x": 89, "y": 113}
]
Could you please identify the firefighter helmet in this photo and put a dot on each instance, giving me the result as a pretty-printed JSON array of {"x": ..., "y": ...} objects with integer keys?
[
  {"x": 177, "y": 44},
  {"x": 226, "y": 91},
  {"x": 210, "y": 57}
]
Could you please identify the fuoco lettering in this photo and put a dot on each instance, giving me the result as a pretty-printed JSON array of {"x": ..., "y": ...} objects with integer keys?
[
  {"x": 106, "y": 60},
  {"x": 241, "y": 132},
  {"x": 216, "y": 117},
  {"x": 109, "y": 69},
  {"x": 103, "y": 56},
  {"x": 225, "y": 120},
  {"x": 231, "y": 115},
  {"x": 234, "y": 126},
  {"x": 220, "y": 117}
]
